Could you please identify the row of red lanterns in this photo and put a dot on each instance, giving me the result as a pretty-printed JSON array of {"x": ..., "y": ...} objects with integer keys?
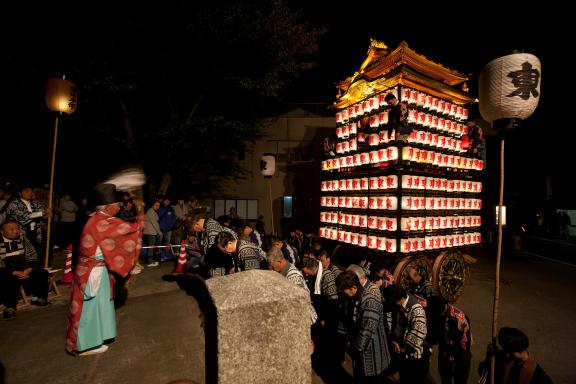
[
  {"x": 404, "y": 245},
  {"x": 432, "y": 104},
  {"x": 411, "y": 97},
  {"x": 416, "y": 118},
  {"x": 407, "y": 223},
  {"x": 430, "y": 139},
  {"x": 390, "y": 182},
  {"x": 411, "y": 154},
  {"x": 410, "y": 203}
]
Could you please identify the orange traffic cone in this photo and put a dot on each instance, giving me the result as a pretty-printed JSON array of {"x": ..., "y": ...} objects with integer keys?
[
  {"x": 181, "y": 258},
  {"x": 68, "y": 277}
]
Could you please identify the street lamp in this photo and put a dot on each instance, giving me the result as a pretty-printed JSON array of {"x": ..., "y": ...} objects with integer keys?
[
  {"x": 509, "y": 93},
  {"x": 268, "y": 168},
  {"x": 61, "y": 97}
]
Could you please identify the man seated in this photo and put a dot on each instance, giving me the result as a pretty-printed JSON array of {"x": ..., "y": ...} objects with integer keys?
[{"x": 19, "y": 266}]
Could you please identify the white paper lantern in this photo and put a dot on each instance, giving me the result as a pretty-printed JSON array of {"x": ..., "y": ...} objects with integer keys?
[
  {"x": 391, "y": 245},
  {"x": 383, "y": 136},
  {"x": 362, "y": 240},
  {"x": 353, "y": 238},
  {"x": 412, "y": 116},
  {"x": 510, "y": 87},
  {"x": 405, "y": 94},
  {"x": 405, "y": 245},
  {"x": 390, "y": 224},
  {"x": 352, "y": 130},
  {"x": 371, "y": 240},
  {"x": 406, "y": 224},
  {"x": 352, "y": 145},
  {"x": 381, "y": 243},
  {"x": 382, "y": 156},
  {"x": 372, "y": 222},
  {"x": 373, "y": 183},
  {"x": 268, "y": 165}
]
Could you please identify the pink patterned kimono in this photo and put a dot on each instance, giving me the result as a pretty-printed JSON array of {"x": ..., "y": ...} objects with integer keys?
[{"x": 120, "y": 242}]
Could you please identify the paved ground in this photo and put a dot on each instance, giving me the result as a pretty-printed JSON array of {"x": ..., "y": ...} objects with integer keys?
[
  {"x": 536, "y": 296},
  {"x": 160, "y": 338}
]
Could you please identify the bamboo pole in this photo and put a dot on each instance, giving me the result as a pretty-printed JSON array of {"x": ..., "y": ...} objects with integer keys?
[
  {"x": 271, "y": 205},
  {"x": 498, "y": 259},
  {"x": 49, "y": 229}
]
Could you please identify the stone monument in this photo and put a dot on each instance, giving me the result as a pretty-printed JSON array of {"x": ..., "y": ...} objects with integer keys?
[{"x": 262, "y": 329}]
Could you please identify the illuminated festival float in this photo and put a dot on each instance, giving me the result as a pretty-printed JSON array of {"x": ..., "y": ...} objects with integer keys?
[{"x": 401, "y": 178}]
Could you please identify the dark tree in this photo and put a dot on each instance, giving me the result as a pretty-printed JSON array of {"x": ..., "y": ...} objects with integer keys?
[{"x": 178, "y": 88}]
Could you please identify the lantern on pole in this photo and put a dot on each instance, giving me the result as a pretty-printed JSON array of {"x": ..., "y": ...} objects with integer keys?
[
  {"x": 61, "y": 97},
  {"x": 268, "y": 168},
  {"x": 509, "y": 93}
]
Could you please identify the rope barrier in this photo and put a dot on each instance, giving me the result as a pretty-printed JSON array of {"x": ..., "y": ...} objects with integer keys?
[{"x": 162, "y": 246}]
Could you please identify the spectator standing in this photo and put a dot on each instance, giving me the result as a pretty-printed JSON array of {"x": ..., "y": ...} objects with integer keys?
[
  {"x": 68, "y": 209},
  {"x": 85, "y": 209},
  {"x": 167, "y": 221},
  {"x": 152, "y": 235},
  {"x": 30, "y": 213},
  {"x": 182, "y": 212}
]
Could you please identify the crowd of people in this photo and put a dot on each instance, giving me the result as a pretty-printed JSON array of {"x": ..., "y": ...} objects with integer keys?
[{"x": 356, "y": 306}]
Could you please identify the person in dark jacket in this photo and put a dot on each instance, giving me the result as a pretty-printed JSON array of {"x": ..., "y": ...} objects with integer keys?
[
  {"x": 454, "y": 337},
  {"x": 167, "y": 221},
  {"x": 19, "y": 266},
  {"x": 397, "y": 118},
  {"x": 219, "y": 258},
  {"x": 514, "y": 365},
  {"x": 364, "y": 327}
]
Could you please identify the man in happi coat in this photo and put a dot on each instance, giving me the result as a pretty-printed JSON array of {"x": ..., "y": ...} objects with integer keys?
[
  {"x": 108, "y": 246},
  {"x": 364, "y": 326}
]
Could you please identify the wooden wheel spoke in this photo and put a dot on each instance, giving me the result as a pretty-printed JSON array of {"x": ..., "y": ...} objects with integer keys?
[{"x": 450, "y": 274}]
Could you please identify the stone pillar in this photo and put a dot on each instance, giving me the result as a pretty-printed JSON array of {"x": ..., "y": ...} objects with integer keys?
[{"x": 262, "y": 328}]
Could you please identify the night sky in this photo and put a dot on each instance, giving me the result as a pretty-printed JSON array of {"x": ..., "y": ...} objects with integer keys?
[
  {"x": 461, "y": 35},
  {"x": 464, "y": 36}
]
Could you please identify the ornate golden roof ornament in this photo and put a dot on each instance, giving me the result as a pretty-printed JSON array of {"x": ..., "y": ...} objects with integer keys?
[{"x": 383, "y": 69}]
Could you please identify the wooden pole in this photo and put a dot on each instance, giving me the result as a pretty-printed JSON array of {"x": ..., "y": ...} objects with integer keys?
[
  {"x": 271, "y": 205},
  {"x": 49, "y": 229},
  {"x": 498, "y": 258}
]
